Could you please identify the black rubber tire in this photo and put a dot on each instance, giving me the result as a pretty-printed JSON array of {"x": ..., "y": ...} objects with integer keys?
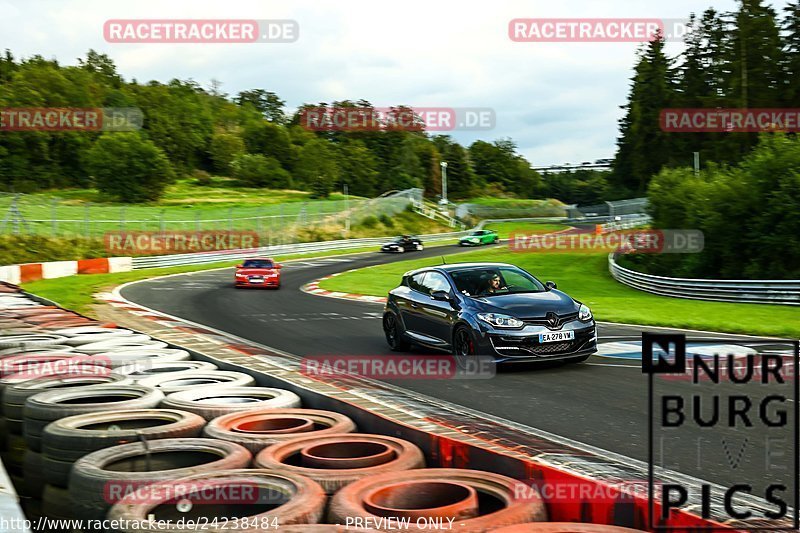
[
  {"x": 56, "y": 503},
  {"x": 14, "y": 396},
  {"x": 66, "y": 440},
  {"x": 3, "y": 433},
  {"x": 218, "y": 378},
  {"x": 304, "y": 501},
  {"x": 391, "y": 330},
  {"x": 94, "y": 489},
  {"x": 140, "y": 370},
  {"x": 202, "y": 402},
  {"x": 45, "y": 407},
  {"x": 33, "y": 468},
  {"x": 14, "y": 458}
]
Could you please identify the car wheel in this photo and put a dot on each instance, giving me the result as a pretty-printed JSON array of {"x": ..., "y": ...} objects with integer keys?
[
  {"x": 391, "y": 328},
  {"x": 401, "y": 249},
  {"x": 420, "y": 247},
  {"x": 463, "y": 346}
]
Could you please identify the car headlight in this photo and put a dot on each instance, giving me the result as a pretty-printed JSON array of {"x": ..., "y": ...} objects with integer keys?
[
  {"x": 584, "y": 313},
  {"x": 241, "y": 275},
  {"x": 501, "y": 321}
]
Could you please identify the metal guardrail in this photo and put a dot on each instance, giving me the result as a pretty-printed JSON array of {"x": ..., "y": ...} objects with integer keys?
[
  {"x": 200, "y": 258},
  {"x": 782, "y": 292}
]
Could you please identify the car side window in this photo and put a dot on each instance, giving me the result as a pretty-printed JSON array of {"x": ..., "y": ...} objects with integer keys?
[
  {"x": 435, "y": 281},
  {"x": 415, "y": 282}
]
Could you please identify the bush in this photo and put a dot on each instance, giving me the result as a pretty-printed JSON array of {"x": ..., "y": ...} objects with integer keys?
[
  {"x": 255, "y": 170},
  {"x": 369, "y": 222},
  {"x": 16, "y": 249},
  {"x": 386, "y": 220},
  {"x": 202, "y": 178},
  {"x": 128, "y": 167}
]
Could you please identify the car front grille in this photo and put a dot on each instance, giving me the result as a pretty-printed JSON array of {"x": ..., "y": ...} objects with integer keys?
[
  {"x": 543, "y": 321},
  {"x": 527, "y": 346}
]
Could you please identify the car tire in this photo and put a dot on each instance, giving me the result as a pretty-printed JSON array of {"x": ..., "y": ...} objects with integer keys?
[
  {"x": 420, "y": 247},
  {"x": 211, "y": 404},
  {"x": 401, "y": 249},
  {"x": 91, "y": 484},
  {"x": 391, "y": 330}
]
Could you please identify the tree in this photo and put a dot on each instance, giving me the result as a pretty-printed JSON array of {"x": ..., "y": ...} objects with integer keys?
[
  {"x": 316, "y": 167},
  {"x": 265, "y": 102},
  {"x": 256, "y": 170},
  {"x": 791, "y": 55},
  {"x": 224, "y": 147},
  {"x": 128, "y": 167},
  {"x": 266, "y": 138},
  {"x": 358, "y": 168}
]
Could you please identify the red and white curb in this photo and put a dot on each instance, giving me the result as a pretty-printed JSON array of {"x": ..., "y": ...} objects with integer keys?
[{"x": 313, "y": 287}]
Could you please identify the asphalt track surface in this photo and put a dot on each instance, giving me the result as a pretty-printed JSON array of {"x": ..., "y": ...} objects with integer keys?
[{"x": 603, "y": 402}]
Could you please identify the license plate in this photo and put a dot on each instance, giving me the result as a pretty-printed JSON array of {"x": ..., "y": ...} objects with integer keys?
[
  {"x": 556, "y": 336},
  {"x": 256, "y": 280}
]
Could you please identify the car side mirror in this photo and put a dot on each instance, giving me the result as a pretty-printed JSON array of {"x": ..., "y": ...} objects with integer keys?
[
  {"x": 441, "y": 296},
  {"x": 239, "y": 266},
  {"x": 550, "y": 285}
]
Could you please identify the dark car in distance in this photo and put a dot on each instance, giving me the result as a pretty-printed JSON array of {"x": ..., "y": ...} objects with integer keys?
[
  {"x": 488, "y": 309},
  {"x": 258, "y": 272},
  {"x": 403, "y": 243}
]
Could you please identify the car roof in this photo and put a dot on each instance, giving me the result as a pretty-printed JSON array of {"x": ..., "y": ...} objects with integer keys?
[
  {"x": 458, "y": 266},
  {"x": 259, "y": 259}
]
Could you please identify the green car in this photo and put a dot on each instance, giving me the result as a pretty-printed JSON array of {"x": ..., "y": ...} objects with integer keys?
[{"x": 478, "y": 237}]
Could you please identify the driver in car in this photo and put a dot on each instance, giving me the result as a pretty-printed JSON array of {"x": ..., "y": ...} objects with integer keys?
[{"x": 495, "y": 284}]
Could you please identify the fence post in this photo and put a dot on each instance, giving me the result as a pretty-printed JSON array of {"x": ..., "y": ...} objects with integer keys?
[
  {"x": 86, "y": 218},
  {"x": 53, "y": 218}
]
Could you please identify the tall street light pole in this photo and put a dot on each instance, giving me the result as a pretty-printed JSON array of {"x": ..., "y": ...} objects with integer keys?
[{"x": 444, "y": 182}]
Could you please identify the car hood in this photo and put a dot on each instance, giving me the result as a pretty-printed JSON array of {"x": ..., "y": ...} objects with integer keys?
[
  {"x": 527, "y": 305},
  {"x": 392, "y": 243},
  {"x": 465, "y": 237}
]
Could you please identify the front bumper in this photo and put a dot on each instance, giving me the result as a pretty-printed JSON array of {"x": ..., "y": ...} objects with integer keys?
[
  {"x": 391, "y": 249},
  {"x": 523, "y": 345},
  {"x": 468, "y": 243},
  {"x": 267, "y": 283}
]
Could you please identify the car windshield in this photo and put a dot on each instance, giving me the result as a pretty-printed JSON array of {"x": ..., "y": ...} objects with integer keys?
[
  {"x": 258, "y": 263},
  {"x": 494, "y": 281},
  {"x": 477, "y": 233},
  {"x": 400, "y": 239}
]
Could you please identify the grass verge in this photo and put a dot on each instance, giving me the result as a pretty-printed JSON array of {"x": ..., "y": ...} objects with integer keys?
[{"x": 585, "y": 277}]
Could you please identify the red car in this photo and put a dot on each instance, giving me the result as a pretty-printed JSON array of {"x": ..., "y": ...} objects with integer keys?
[{"x": 258, "y": 272}]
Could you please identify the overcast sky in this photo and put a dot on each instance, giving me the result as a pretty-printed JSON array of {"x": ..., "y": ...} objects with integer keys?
[{"x": 558, "y": 101}]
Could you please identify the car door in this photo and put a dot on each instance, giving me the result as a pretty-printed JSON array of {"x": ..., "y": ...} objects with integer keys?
[
  {"x": 437, "y": 317},
  {"x": 410, "y": 305}
]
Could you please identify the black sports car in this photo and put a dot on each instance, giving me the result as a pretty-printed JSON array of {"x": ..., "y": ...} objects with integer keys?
[
  {"x": 493, "y": 309},
  {"x": 403, "y": 243}
]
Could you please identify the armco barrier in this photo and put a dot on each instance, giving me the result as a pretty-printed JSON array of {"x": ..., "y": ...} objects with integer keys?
[{"x": 782, "y": 292}]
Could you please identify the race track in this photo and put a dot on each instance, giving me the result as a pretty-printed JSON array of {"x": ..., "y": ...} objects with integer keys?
[{"x": 602, "y": 402}]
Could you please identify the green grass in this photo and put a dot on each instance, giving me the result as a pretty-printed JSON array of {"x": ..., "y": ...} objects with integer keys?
[
  {"x": 504, "y": 229},
  {"x": 184, "y": 206},
  {"x": 585, "y": 277}
]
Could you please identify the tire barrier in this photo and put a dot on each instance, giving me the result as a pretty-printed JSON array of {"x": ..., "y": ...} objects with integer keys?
[
  {"x": 128, "y": 342},
  {"x": 199, "y": 379},
  {"x": 335, "y": 461},
  {"x": 68, "y": 439},
  {"x": 15, "y": 395},
  {"x": 563, "y": 527},
  {"x": 444, "y": 493},
  {"x": 218, "y": 402},
  {"x": 43, "y": 408},
  {"x": 255, "y": 430},
  {"x": 140, "y": 370},
  {"x": 33, "y": 475},
  {"x": 273, "y": 500},
  {"x": 19, "y": 368},
  {"x": 124, "y": 357},
  {"x": 102, "y": 478},
  {"x": 54, "y": 348},
  {"x": 30, "y": 341},
  {"x": 78, "y": 336}
]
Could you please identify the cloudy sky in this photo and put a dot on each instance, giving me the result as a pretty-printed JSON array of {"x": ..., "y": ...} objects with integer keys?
[{"x": 558, "y": 101}]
